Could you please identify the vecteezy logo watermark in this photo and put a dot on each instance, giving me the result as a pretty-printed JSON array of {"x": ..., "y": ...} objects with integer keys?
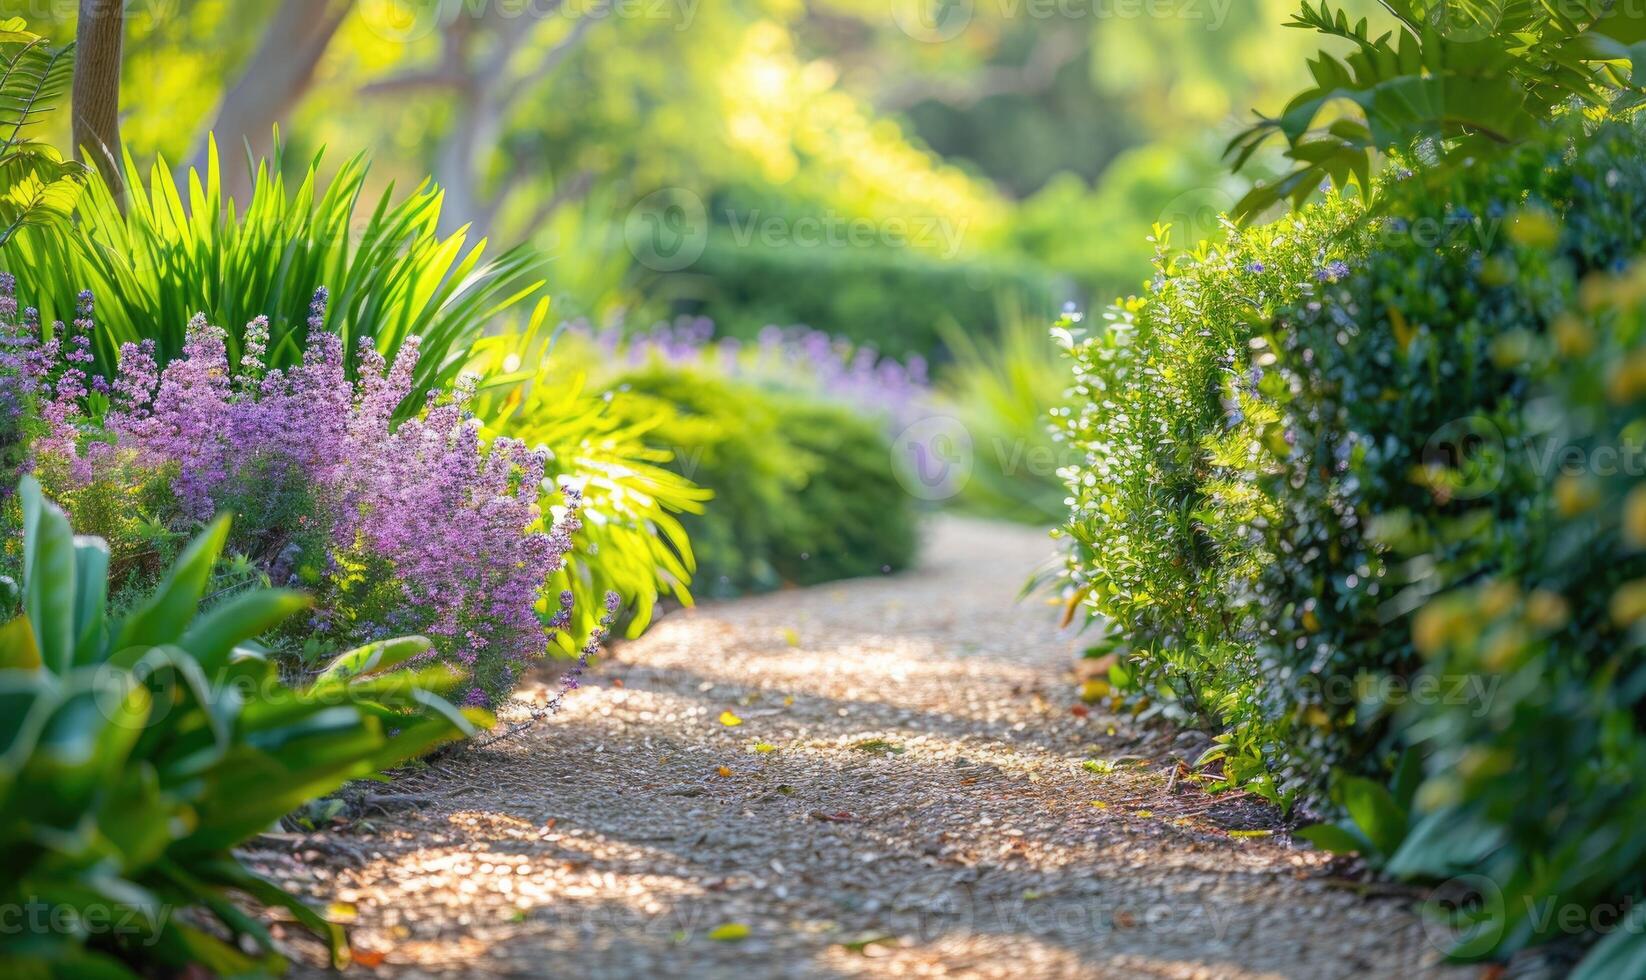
[
  {"x": 1197, "y": 215},
  {"x": 405, "y": 21},
  {"x": 667, "y": 230},
  {"x": 833, "y": 230},
  {"x": 401, "y": 21},
  {"x": 1466, "y": 20},
  {"x": 127, "y": 919},
  {"x": 1465, "y": 458},
  {"x": 934, "y": 21},
  {"x": 933, "y": 458},
  {"x": 1466, "y": 916}
]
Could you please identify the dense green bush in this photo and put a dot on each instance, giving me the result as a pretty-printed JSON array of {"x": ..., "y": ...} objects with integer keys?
[
  {"x": 895, "y": 299},
  {"x": 137, "y": 751},
  {"x": 804, "y": 492},
  {"x": 1157, "y": 539},
  {"x": 1324, "y": 503}
]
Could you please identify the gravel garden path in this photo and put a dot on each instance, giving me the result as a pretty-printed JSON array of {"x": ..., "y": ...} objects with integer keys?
[{"x": 878, "y": 777}]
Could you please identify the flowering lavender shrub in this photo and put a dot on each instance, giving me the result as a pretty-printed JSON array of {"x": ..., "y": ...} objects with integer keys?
[
  {"x": 19, "y": 386},
  {"x": 420, "y": 527}
]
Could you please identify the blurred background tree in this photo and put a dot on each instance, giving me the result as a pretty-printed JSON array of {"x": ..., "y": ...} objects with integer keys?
[{"x": 886, "y": 174}]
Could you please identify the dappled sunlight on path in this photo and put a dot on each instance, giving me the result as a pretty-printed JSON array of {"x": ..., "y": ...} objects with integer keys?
[{"x": 878, "y": 777}]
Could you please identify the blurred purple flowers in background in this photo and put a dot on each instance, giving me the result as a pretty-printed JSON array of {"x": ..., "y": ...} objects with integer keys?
[{"x": 798, "y": 358}]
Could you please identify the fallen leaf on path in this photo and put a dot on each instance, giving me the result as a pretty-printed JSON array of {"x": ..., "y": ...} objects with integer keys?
[
  {"x": 764, "y": 748},
  {"x": 370, "y": 958},
  {"x": 731, "y": 932},
  {"x": 724, "y": 770},
  {"x": 730, "y": 720},
  {"x": 863, "y": 943}
]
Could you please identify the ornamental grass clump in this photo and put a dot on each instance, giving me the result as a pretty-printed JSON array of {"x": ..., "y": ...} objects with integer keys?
[{"x": 416, "y": 527}]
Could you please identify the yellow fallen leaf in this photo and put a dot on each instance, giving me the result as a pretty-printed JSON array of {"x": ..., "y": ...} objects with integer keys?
[
  {"x": 1145, "y": 814},
  {"x": 1100, "y": 804},
  {"x": 731, "y": 932},
  {"x": 724, "y": 770},
  {"x": 341, "y": 912},
  {"x": 730, "y": 720},
  {"x": 1094, "y": 690},
  {"x": 764, "y": 748},
  {"x": 791, "y": 637}
]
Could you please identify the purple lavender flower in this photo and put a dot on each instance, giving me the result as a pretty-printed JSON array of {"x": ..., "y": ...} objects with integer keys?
[
  {"x": 1331, "y": 272},
  {"x": 452, "y": 522}
]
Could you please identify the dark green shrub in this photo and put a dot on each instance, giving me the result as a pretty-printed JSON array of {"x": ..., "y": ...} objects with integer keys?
[
  {"x": 137, "y": 751},
  {"x": 1349, "y": 539},
  {"x": 850, "y": 517},
  {"x": 1383, "y": 387},
  {"x": 803, "y": 492}
]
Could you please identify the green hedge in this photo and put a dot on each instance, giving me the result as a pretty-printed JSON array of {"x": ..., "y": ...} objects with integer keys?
[
  {"x": 803, "y": 492},
  {"x": 1319, "y": 504},
  {"x": 895, "y": 299}
]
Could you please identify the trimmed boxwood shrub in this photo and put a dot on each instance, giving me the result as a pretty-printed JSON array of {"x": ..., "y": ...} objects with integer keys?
[{"x": 804, "y": 491}]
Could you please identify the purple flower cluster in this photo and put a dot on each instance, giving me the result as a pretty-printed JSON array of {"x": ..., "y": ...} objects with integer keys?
[
  {"x": 811, "y": 360},
  {"x": 442, "y": 530},
  {"x": 22, "y": 377}
]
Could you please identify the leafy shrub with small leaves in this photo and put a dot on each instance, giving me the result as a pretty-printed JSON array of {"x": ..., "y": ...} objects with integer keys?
[
  {"x": 137, "y": 751},
  {"x": 1157, "y": 539},
  {"x": 1403, "y": 557}
]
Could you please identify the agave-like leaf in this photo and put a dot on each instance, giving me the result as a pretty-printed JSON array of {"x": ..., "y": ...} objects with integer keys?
[
  {"x": 166, "y": 613},
  {"x": 49, "y": 586}
]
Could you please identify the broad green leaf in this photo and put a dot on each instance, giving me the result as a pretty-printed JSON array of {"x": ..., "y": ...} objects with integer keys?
[
  {"x": 164, "y": 616},
  {"x": 213, "y": 637},
  {"x": 48, "y": 577},
  {"x": 375, "y": 657}
]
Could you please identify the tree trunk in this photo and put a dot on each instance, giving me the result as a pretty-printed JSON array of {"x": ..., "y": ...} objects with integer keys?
[
  {"x": 96, "y": 97},
  {"x": 279, "y": 75}
]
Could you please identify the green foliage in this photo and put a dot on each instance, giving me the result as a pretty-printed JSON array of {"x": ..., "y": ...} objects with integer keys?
[
  {"x": 38, "y": 187},
  {"x": 1470, "y": 76},
  {"x": 1007, "y": 392},
  {"x": 137, "y": 752},
  {"x": 390, "y": 272},
  {"x": 898, "y": 300},
  {"x": 803, "y": 493},
  {"x": 1345, "y": 521},
  {"x": 632, "y": 541},
  {"x": 1156, "y": 541}
]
